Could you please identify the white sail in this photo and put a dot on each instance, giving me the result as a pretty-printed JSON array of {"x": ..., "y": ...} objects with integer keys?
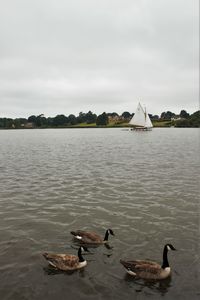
[
  {"x": 148, "y": 123},
  {"x": 141, "y": 118}
]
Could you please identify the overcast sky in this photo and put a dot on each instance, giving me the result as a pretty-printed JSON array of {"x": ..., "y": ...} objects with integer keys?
[{"x": 68, "y": 56}]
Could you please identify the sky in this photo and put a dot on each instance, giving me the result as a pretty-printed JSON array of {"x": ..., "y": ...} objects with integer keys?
[{"x": 71, "y": 56}]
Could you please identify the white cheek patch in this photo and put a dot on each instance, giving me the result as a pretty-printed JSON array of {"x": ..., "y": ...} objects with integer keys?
[
  {"x": 78, "y": 237},
  {"x": 131, "y": 272},
  {"x": 168, "y": 248}
]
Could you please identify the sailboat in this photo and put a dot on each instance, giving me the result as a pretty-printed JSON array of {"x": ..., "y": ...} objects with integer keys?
[{"x": 141, "y": 120}]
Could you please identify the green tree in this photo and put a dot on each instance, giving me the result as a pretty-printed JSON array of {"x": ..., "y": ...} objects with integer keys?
[
  {"x": 32, "y": 119},
  {"x": 81, "y": 118},
  {"x": 1, "y": 123},
  {"x": 102, "y": 119},
  {"x": 183, "y": 123},
  {"x": 90, "y": 117},
  {"x": 50, "y": 122},
  {"x": 195, "y": 119},
  {"x": 41, "y": 121},
  {"x": 184, "y": 114},
  {"x": 167, "y": 115},
  {"x": 72, "y": 119},
  {"x": 153, "y": 117},
  {"x": 8, "y": 123},
  {"x": 126, "y": 115},
  {"x": 19, "y": 122},
  {"x": 60, "y": 120}
]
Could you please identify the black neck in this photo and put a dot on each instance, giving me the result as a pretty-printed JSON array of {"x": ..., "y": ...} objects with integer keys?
[
  {"x": 165, "y": 263},
  {"x": 106, "y": 235},
  {"x": 81, "y": 259}
]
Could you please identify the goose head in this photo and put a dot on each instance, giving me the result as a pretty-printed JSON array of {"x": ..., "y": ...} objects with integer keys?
[
  {"x": 83, "y": 248},
  {"x": 170, "y": 247},
  {"x": 110, "y": 231}
]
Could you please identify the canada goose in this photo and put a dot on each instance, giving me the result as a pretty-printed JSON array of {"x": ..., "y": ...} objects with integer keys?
[
  {"x": 89, "y": 237},
  {"x": 148, "y": 269},
  {"x": 66, "y": 262}
]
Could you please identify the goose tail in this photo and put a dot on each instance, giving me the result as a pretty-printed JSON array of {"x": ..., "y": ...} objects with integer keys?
[
  {"x": 46, "y": 255},
  {"x": 123, "y": 262},
  {"x": 130, "y": 268},
  {"x": 127, "y": 264}
]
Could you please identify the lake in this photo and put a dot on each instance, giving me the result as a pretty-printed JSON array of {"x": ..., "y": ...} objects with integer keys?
[{"x": 143, "y": 185}]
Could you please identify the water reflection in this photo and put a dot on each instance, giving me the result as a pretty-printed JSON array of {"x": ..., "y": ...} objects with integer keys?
[
  {"x": 49, "y": 270},
  {"x": 79, "y": 243},
  {"x": 144, "y": 186},
  {"x": 161, "y": 286}
]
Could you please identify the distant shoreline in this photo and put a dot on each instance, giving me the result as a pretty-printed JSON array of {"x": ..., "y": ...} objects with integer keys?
[
  {"x": 88, "y": 127},
  {"x": 105, "y": 120}
]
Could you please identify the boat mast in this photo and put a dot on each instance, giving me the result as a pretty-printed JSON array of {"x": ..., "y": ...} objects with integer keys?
[{"x": 145, "y": 114}]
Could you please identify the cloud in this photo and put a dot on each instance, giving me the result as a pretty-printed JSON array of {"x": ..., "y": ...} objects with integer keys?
[{"x": 71, "y": 56}]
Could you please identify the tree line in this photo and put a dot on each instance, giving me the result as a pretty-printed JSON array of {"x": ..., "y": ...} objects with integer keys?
[{"x": 184, "y": 119}]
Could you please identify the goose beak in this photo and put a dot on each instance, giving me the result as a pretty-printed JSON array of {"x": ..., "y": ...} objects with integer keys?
[
  {"x": 111, "y": 232},
  {"x": 174, "y": 248},
  {"x": 86, "y": 249}
]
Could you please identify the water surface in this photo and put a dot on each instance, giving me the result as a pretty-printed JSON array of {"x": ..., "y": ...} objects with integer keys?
[{"x": 143, "y": 185}]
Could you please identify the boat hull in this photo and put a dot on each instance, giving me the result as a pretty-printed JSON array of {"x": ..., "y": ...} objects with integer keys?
[{"x": 141, "y": 128}]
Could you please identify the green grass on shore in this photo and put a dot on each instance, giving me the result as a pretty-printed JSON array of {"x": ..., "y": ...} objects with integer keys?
[{"x": 123, "y": 124}]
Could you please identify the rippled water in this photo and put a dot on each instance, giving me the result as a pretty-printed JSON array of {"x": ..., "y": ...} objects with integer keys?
[{"x": 143, "y": 185}]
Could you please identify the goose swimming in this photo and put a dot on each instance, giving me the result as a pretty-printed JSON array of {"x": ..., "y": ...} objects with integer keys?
[
  {"x": 89, "y": 237},
  {"x": 66, "y": 262},
  {"x": 149, "y": 269}
]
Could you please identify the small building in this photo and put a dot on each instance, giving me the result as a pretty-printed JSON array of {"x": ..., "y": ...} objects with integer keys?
[{"x": 28, "y": 125}]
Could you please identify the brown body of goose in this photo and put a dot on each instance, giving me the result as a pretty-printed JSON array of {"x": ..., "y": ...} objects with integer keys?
[
  {"x": 66, "y": 262},
  {"x": 149, "y": 269},
  {"x": 90, "y": 237}
]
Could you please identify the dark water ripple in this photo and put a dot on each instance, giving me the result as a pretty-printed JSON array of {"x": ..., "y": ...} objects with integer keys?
[{"x": 143, "y": 185}]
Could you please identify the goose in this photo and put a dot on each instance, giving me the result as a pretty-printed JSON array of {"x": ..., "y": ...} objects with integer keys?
[
  {"x": 66, "y": 262},
  {"x": 89, "y": 237},
  {"x": 149, "y": 269}
]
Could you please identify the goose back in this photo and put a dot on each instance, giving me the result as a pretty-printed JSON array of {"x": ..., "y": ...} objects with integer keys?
[
  {"x": 65, "y": 262},
  {"x": 149, "y": 269},
  {"x": 87, "y": 236}
]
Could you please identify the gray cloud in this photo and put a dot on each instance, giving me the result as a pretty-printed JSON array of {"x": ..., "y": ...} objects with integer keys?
[{"x": 71, "y": 56}]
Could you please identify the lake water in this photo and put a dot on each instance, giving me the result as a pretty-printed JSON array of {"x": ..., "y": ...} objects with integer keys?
[{"x": 143, "y": 185}]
